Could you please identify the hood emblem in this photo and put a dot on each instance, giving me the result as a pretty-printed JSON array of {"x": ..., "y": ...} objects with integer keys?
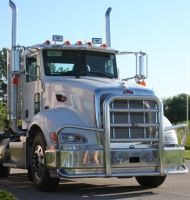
[{"x": 127, "y": 92}]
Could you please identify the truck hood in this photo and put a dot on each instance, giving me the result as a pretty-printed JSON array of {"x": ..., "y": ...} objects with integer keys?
[
  {"x": 82, "y": 94},
  {"x": 92, "y": 84}
]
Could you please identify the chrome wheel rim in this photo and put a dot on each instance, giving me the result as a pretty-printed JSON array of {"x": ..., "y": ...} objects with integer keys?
[{"x": 38, "y": 162}]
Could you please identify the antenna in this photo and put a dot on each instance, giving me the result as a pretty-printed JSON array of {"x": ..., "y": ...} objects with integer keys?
[{"x": 85, "y": 24}]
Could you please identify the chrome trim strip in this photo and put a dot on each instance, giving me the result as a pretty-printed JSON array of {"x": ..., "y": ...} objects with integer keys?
[
  {"x": 133, "y": 110},
  {"x": 144, "y": 120},
  {"x": 136, "y": 174},
  {"x": 103, "y": 175},
  {"x": 129, "y": 117},
  {"x": 106, "y": 120},
  {"x": 161, "y": 136},
  {"x": 79, "y": 175},
  {"x": 134, "y": 149},
  {"x": 113, "y": 120},
  {"x": 135, "y": 140},
  {"x": 122, "y": 174},
  {"x": 135, "y": 125}
]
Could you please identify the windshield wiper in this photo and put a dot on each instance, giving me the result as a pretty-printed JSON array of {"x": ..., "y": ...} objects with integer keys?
[
  {"x": 70, "y": 73},
  {"x": 101, "y": 74}
]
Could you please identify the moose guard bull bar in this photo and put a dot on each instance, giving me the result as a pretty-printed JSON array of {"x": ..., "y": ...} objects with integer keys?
[{"x": 107, "y": 140}]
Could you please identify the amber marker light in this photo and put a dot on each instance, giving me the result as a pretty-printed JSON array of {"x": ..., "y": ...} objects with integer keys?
[
  {"x": 53, "y": 137},
  {"x": 143, "y": 83},
  {"x": 47, "y": 42},
  {"x": 67, "y": 42},
  {"x": 79, "y": 42},
  {"x": 89, "y": 43},
  {"x": 103, "y": 45},
  {"x": 15, "y": 80}
]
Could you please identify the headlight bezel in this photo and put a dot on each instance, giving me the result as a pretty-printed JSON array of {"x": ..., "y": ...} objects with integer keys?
[{"x": 72, "y": 138}]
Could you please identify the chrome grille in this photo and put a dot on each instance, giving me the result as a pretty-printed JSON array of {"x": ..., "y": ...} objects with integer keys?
[{"x": 132, "y": 117}]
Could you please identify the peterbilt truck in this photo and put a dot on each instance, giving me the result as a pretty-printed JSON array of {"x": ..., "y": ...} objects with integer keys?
[{"x": 80, "y": 120}]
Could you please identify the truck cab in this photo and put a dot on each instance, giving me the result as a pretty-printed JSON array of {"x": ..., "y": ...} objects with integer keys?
[{"x": 80, "y": 120}]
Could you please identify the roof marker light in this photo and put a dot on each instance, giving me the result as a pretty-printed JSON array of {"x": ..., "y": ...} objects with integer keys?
[
  {"x": 47, "y": 42},
  {"x": 79, "y": 42},
  {"x": 143, "y": 83},
  {"x": 89, "y": 43},
  {"x": 67, "y": 42},
  {"x": 103, "y": 45}
]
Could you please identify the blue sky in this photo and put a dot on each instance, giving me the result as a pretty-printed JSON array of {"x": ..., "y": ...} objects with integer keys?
[{"x": 159, "y": 28}]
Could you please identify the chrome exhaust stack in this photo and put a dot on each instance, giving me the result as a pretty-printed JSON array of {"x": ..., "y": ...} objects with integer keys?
[
  {"x": 108, "y": 33},
  {"x": 14, "y": 70}
]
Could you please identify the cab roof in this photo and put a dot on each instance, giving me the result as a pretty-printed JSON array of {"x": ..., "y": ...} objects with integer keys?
[{"x": 37, "y": 47}]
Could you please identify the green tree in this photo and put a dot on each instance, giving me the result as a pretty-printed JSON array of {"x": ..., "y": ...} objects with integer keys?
[
  {"x": 3, "y": 75},
  {"x": 175, "y": 108},
  {"x": 4, "y": 123}
]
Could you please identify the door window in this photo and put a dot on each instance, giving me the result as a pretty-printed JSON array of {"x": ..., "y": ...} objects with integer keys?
[{"x": 32, "y": 68}]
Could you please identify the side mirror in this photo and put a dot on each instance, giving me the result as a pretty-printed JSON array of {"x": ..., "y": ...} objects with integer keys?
[{"x": 141, "y": 66}]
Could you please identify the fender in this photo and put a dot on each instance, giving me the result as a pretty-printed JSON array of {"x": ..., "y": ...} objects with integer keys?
[{"x": 52, "y": 119}]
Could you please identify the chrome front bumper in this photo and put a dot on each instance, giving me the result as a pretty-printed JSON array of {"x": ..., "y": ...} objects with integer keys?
[{"x": 123, "y": 162}]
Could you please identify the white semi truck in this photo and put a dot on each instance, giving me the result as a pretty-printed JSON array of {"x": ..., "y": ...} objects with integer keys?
[{"x": 80, "y": 120}]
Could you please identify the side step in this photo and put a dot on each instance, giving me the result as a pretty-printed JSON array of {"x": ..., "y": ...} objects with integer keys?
[{"x": 11, "y": 165}]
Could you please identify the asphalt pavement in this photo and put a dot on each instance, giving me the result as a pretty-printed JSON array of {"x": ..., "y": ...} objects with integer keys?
[{"x": 175, "y": 187}]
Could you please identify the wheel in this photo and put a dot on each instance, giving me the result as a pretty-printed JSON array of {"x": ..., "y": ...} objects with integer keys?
[
  {"x": 150, "y": 181},
  {"x": 40, "y": 174},
  {"x": 4, "y": 171}
]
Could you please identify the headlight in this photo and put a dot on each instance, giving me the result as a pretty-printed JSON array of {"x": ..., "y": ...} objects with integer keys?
[
  {"x": 72, "y": 138},
  {"x": 170, "y": 139}
]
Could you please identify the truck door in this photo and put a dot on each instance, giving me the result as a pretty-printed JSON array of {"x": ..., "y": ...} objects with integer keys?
[{"x": 32, "y": 88}]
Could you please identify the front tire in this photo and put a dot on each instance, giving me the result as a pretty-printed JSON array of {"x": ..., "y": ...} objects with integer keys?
[
  {"x": 40, "y": 174},
  {"x": 150, "y": 181},
  {"x": 4, "y": 171}
]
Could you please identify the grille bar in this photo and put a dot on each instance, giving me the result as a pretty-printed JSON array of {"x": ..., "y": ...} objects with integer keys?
[
  {"x": 133, "y": 110},
  {"x": 135, "y": 140},
  {"x": 135, "y": 125}
]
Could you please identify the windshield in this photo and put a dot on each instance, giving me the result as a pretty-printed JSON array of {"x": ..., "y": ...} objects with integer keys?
[{"x": 79, "y": 63}]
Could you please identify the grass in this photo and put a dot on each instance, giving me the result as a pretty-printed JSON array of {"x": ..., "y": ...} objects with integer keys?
[
  {"x": 4, "y": 195},
  {"x": 187, "y": 154}
]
